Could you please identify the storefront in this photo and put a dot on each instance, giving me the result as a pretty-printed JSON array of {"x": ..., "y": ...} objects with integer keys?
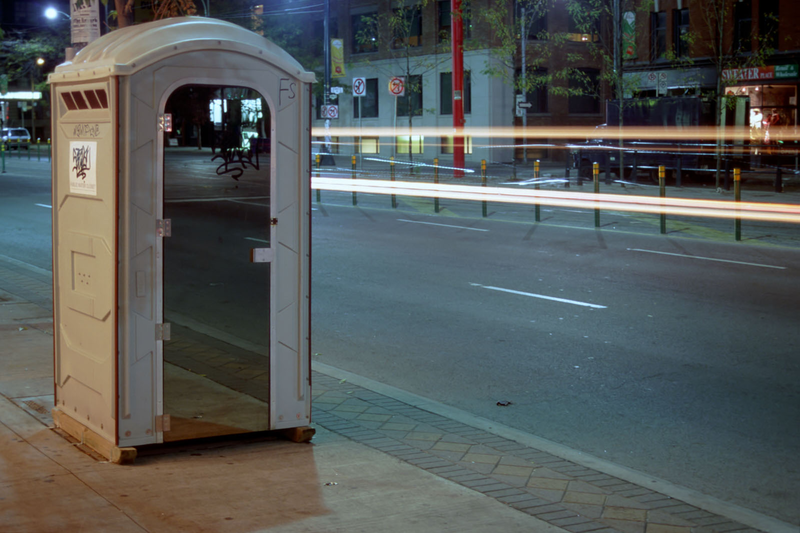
[{"x": 772, "y": 91}]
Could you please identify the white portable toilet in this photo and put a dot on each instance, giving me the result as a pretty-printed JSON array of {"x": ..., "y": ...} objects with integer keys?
[{"x": 109, "y": 136}]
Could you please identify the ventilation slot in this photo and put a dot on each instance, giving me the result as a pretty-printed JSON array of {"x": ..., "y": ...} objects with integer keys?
[
  {"x": 80, "y": 101},
  {"x": 69, "y": 101},
  {"x": 88, "y": 99},
  {"x": 101, "y": 96}
]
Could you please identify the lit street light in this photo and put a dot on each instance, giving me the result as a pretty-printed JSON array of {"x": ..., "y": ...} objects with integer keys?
[{"x": 52, "y": 13}]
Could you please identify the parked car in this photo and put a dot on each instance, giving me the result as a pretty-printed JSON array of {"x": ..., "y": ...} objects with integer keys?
[{"x": 15, "y": 138}]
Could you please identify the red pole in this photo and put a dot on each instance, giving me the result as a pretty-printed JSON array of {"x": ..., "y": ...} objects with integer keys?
[{"x": 457, "y": 27}]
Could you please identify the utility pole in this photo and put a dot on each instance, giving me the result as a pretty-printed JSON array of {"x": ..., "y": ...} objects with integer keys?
[
  {"x": 524, "y": 35},
  {"x": 327, "y": 159},
  {"x": 618, "y": 83},
  {"x": 457, "y": 27}
]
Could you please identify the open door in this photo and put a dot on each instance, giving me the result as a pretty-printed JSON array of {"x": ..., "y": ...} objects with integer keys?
[{"x": 217, "y": 262}]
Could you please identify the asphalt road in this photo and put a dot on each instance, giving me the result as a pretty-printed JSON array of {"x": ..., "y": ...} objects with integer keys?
[
  {"x": 676, "y": 357},
  {"x": 25, "y": 212},
  {"x": 688, "y": 369}
]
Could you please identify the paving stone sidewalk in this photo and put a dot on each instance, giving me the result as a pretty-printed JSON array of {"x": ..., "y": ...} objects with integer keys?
[{"x": 560, "y": 492}]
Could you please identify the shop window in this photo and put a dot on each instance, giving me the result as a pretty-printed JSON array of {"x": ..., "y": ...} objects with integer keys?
[
  {"x": 410, "y": 143},
  {"x": 447, "y": 145},
  {"x": 446, "y": 93},
  {"x": 369, "y": 102}
]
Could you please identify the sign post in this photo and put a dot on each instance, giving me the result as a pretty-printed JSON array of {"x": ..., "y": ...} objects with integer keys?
[
  {"x": 397, "y": 87},
  {"x": 359, "y": 90}
]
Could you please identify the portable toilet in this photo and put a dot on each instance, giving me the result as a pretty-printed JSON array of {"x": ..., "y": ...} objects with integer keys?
[{"x": 181, "y": 237}]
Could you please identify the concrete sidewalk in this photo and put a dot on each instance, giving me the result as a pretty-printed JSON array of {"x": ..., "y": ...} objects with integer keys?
[{"x": 382, "y": 460}]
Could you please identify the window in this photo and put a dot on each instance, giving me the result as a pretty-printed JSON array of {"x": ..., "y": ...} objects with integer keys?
[
  {"x": 446, "y": 93},
  {"x": 743, "y": 20},
  {"x": 536, "y": 97},
  {"x": 319, "y": 144},
  {"x": 768, "y": 13},
  {"x": 584, "y": 85},
  {"x": 369, "y": 102},
  {"x": 369, "y": 145},
  {"x": 407, "y": 27},
  {"x": 415, "y": 143},
  {"x": 445, "y": 20},
  {"x": 535, "y": 22},
  {"x": 364, "y": 27},
  {"x": 447, "y": 145},
  {"x": 584, "y": 24},
  {"x": 658, "y": 35},
  {"x": 411, "y": 103},
  {"x": 680, "y": 26}
]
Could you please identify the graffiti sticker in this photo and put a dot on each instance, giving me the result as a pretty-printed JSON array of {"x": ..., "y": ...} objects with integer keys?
[{"x": 83, "y": 167}]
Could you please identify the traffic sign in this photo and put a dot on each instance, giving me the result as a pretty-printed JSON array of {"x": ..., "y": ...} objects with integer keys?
[
  {"x": 330, "y": 111},
  {"x": 337, "y": 90},
  {"x": 359, "y": 87},
  {"x": 397, "y": 86}
]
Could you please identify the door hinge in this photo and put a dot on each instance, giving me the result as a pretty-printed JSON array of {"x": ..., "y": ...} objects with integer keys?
[
  {"x": 163, "y": 331},
  {"x": 273, "y": 222},
  {"x": 162, "y": 423},
  {"x": 164, "y": 227}
]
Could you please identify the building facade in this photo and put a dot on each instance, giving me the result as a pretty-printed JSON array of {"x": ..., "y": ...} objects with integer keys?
[
  {"x": 748, "y": 49},
  {"x": 421, "y": 54}
]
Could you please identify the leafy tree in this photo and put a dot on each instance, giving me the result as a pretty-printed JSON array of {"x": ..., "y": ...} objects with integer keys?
[
  {"x": 397, "y": 33},
  {"x": 715, "y": 38}
]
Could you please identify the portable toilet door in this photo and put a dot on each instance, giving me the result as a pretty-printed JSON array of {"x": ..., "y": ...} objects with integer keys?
[{"x": 115, "y": 263}]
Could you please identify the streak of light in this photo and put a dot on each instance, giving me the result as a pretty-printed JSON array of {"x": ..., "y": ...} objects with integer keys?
[
  {"x": 706, "y": 258},
  {"x": 540, "y": 296},
  {"x": 642, "y": 204},
  {"x": 45, "y": 205},
  {"x": 662, "y": 133},
  {"x": 409, "y": 163}
]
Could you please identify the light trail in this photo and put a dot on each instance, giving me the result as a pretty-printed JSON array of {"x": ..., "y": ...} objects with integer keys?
[
  {"x": 660, "y": 133},
  {"x": 641, "y": 204}
]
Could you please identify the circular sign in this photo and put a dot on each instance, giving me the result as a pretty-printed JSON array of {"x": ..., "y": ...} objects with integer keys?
[
  {"x": 397, "y": 86},
  {"x": 359, "y": 87}
]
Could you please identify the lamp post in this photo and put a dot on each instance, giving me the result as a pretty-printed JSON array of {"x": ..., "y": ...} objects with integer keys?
[
  {"x": 52, "y": 14},
  {"x": 39, "y": 63}
]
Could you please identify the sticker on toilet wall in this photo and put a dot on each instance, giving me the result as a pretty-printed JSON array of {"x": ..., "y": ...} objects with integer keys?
[{"x": 83, "y": 167}]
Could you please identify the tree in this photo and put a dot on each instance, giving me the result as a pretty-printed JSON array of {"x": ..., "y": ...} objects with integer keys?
[
  {"x": 520, "y": 42},
  {"x": 728, "y": 48},
  {"x": 24, "y": 58},
  {"x": 397, "y": 32}
]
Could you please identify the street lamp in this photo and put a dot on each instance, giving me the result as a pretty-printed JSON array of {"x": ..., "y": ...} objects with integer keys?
[{"x": 52, "y": 13}]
